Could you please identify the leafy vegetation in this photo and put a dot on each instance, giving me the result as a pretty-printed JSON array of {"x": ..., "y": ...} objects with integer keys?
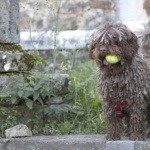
[
  {"x": 84, "y": 112},
  {"x": 80, "y": 112}
]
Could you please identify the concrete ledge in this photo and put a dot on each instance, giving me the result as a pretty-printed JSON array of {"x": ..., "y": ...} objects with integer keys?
[
  {"x": 63, "y": 40},
  {"x": 71, "y": 142}
]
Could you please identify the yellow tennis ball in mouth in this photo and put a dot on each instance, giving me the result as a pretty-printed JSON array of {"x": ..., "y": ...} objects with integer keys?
[{"x": 112, "y": 59}]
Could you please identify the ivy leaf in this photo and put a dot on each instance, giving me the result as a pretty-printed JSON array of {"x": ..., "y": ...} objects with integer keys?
[
  {"x": 13, "y": 100},
  {"x": 36, "y": 95},
  {"x": 4, "y": 94},
  {"x": 37, "y": 87},
  {"x": 29, "y": 103},
  {"x": 20, "y": 93},
  {"x": 40, "y": 100},
  {"x": 39, "y": 60},
  {"x": 27, "y": 94}
]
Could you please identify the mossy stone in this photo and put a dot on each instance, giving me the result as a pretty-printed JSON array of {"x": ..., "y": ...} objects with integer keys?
[{"x": 25, "y": 63}]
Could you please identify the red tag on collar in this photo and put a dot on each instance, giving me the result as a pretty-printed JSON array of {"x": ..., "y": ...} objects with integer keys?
[{"x": 119, "y": 110}]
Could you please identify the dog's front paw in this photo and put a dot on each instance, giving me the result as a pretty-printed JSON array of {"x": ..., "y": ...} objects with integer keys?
[
  {"x": 148, "y": 135},
  {"x": 137, "y": 137},
  {"x": 112, "y": 137}
]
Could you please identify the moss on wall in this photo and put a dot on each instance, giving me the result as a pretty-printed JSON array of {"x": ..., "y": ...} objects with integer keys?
[{"x": 26, "y": 58}]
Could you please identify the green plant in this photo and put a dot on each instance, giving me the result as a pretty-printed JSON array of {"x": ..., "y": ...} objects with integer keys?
[
  {"x": 56, "y": 12},
  {"x": 83, "y": 114},
  {"x": 38, "y": 59},
  {"x": 8, "y": 119},
  {"x": 79, "y": 114},
  {"x": 87, "y": 106},
  {"x": 35, "y": 87}
]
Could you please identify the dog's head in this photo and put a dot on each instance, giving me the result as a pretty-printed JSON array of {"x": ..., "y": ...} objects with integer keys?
[{"x": 113, "y": 39}]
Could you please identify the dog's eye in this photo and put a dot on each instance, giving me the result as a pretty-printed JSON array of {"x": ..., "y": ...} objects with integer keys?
[{"x": 102, "y": 48}]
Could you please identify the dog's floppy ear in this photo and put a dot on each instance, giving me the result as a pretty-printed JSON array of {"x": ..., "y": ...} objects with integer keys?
[
  {"x": 91, "y": 48},
  {"x": 143, "y": 37}
]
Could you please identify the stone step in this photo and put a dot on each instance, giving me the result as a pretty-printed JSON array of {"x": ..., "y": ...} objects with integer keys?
[
  {"x": 63, "y": 40},
  {"x": 71, "y": 142}
]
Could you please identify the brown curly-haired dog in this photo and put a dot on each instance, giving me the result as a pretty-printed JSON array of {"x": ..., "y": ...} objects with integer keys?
[{"x": 124, "y": 86}]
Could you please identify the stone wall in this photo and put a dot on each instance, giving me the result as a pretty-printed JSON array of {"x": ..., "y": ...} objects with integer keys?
[{"x": 67, "y": 14}]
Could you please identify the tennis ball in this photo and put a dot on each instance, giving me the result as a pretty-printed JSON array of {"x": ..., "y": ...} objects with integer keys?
[{"x": 112, "y": 59}]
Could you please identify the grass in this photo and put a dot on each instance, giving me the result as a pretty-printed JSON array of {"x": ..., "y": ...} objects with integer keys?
[{"x": 84, "y": 115}]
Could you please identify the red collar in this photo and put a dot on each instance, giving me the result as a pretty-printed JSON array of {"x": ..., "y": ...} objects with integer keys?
[{"x": 120, "y": 112}]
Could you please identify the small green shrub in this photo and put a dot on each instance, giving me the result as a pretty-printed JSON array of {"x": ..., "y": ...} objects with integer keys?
[
  {"x": 35, "y": 87},
  {"x": 81, "y": 112}
]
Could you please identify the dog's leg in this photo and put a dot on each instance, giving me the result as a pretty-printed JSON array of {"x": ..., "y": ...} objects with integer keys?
[
  {"x": 148, "y": 120},
  {"x": 127, "y": 125},
  {"x": 114, "y": 123},
  {"x": 137, "y": 126}
]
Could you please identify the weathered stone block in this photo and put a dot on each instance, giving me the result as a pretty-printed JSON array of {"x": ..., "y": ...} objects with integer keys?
[
  {"x": 14, "y": 58},
  {"x": 142, "y": 145},
  {"x": 5, "y": 82},
  {"x": 120, "y": 145},
  {"x": 100, "y": 4},
  {"x": 20, "y": 130},
  {"x": 71, "y": 142},
  {"x": 9, "y": 21},
  {"x": 5, "y": 144}
]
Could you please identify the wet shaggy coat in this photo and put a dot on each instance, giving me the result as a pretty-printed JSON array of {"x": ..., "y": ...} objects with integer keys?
[
  {"x": 126, "y": 83},
  {"x": 144, "y": 42}
]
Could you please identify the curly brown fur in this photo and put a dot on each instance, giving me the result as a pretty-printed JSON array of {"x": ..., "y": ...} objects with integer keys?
[
  {"x": 126, "y": 82},
  {"x": 144, "y": 42}
]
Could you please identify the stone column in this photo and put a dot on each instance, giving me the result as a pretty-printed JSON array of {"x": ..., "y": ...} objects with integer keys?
[{"x": 9, "y": 21}]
